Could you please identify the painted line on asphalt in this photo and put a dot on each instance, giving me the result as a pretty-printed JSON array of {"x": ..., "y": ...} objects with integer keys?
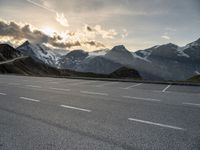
[
  {"x": 141, "y": 98},
  {"x": 165, "y": 89},
  {"x": 105, "y": 84},
  {"x": 135, "y": 85},
  {"x": 34, "y": 86},
  {"x": 85, "y": 82},
  {"x": 191, "y": 104},
  {"x": 94, "y": 93},
  {"x": 156, "y": 124},
  {"x": 29, "y": 99},
  {"x": 75, "y": 108},
  {"x": 4, "y": 94},
  {"x": 54, "y": 82},
  {"x": 60, "y": 89}
]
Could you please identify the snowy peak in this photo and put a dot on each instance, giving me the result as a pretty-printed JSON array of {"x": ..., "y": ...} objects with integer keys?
[
  {"x": 194, "y": 44},
  {"x": 41, "y": 53},
  {"x": 119, "y": 48}
]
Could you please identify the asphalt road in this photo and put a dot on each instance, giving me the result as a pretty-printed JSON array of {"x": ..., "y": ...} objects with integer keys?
[{"x": 60, "y": 114}]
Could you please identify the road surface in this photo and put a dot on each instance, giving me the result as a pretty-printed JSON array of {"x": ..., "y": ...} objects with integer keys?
[{"x": 59, "y": 114}]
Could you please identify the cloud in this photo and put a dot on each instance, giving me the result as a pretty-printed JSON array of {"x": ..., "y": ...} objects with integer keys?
[
  {"x": 60, "y": 17},
  {"x": 165, "y": 37},
  {"x": 105, "y": 34},
  {"x": 124, "y": 33},
  {"x": 17, "y": 33},
  {"x": 94, "y": 43},
  {"x": 41, "y": 6}
]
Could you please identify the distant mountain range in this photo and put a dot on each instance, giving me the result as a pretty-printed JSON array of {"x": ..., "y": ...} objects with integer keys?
[
  {"x": 162, "y": 62},
  {"x": 27, "y": 62}
]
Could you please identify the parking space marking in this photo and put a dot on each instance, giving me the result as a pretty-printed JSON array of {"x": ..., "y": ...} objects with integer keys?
[
  {"x": 141, "y": 98},
  {"x": 156, "y": 124},
  {"x": 135, "y": 85},
  {"x": 29, "y": 99},
  {"x": 94, "y": 93},
  {"x": 75, "y": 108},
  {"x": 165, "y": 89},
  {"x": 191, "y": 104}
]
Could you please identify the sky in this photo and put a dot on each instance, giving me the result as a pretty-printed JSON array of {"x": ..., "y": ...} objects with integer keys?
[{"x": 99, "y": 24}]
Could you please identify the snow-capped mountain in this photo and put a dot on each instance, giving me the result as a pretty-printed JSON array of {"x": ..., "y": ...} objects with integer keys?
[
  {"x": 169, "y": 61},
  {"x": 72, "y": 59},
  {"x": 42, "y": 53},
  {"x": 120, "y": 54},
  {"x": 161, "y": 62},
  {"x": 98, "y": 64}
]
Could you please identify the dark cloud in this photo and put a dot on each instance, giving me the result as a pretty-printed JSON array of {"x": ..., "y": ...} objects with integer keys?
[
  {"x": 18, "y": 32},
  {"x": 95, "y": 44},
  {"x": 65, "y": 45}
]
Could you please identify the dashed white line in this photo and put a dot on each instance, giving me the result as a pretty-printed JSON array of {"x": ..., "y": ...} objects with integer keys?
[
  {"x": 141, "y": 98},
  {"x": 105, "y": 84},
  {"x": 60, "y": 89},
  {"x": 165, "y": 89},
  {"x": 135, "y": 85},
  {"x": 3, "y": 94},
  {"x": 29, "y": 99},
  {"x": 34, "y": 86},
  {"x": 94, "y": 93},
  {"x": 75, "y": 108},
  {"x": 192, "y": 104},
  {"x": 156, "y": 124}
]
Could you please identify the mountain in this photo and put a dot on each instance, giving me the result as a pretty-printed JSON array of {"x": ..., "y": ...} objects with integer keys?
[
  {"x": 28, "y": 66},
  {"x": 120, "y": 55},
  {"x": 8, "y": 52},
  {"x": 98, "y": 64},
  {"x": 42, "y": 53},
  {"x": 72, "y": 59},
  {"x": 125, "y": 72},
  {"x": 195, "y": 78},
  {"x": 161, "y": 62}
]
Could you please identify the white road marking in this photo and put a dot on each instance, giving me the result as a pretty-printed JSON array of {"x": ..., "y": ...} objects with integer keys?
[
  {"x": 94, "y": 93},
  {"x": 156, "y": 124},
  {"x": 34, "y": 86},
  {"x": 3, "y": 94},
  {"x": 85, "y": 82},
  {"x": 141, "y": 98},
  {"x": 192, "y": 104},
  {"x": 60, "y": 89},
  {"x": 135, "y": 85},
  {"x": 105, "y": 84},
  {"x": 165, "y": 89},
  {"x": 29, "y": 99},
  {"x": 76, "y": 108}
]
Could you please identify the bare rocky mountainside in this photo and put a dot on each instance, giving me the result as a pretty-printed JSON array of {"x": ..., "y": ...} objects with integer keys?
[
  {"x": 16, "y": 62},
  {"x": 167, "y": 62}
]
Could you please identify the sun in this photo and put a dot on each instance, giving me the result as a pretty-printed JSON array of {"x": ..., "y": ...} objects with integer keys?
[{"x": 49, "y": 31}]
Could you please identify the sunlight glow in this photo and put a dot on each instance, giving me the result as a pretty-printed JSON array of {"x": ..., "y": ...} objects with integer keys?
[{"x": 49, "y": 31}]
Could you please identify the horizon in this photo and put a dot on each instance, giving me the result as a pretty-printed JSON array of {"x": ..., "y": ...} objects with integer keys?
[{"x": 77, "y": 25}]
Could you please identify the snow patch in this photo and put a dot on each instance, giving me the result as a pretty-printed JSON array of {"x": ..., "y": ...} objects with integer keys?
[{"x": 180, "y": 52}]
